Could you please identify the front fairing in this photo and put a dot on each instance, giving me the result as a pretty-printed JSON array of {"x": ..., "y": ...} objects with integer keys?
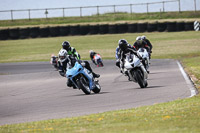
[
  {"x": 71, "y": 72},
  {"x": 131, "y": 61}
]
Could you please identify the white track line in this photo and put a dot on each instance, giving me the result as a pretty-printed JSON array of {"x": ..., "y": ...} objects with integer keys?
[{"x": 188, "y": 81}]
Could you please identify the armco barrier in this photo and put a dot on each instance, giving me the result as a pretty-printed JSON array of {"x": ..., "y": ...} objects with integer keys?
[
  {"x": 54, "y": 31},
  {"x": 14, "y": 33},
  {"x": 75, "y": 30},
  {"x": 171, "y": 26},
  {"x": 4, "y": 34},
  {"x": 113, "y": 28},
  {"x": 132, "y": 28},
  {"x": 142, "y": 27},
  {"x": 33, "y": 32},
  {"x": 44, "y": 32},
  {"x": 24, "y": 33},
  {"x": 64, "y": 30}
]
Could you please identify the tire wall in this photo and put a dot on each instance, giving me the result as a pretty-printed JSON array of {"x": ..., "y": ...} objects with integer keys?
[
  {"x": 34, "y": 32},
  {"x": 14, "y": 33},
  {"x": 44, "y": 32}
]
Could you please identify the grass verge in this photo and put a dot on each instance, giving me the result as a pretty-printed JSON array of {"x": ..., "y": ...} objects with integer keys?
[
  {"x": 178, "y": 116},
  {"x": 108, "y": 17}
]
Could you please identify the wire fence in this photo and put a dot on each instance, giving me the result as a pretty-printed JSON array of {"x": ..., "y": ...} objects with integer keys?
[{"x": 90, "y": 10}]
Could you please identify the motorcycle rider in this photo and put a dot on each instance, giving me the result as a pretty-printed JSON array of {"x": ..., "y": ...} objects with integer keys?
[
  {"x": 70, "y": 50},
  {"x": 118, "y": 52},
  {"x": 126, "y": 48},
  {"x": 148, "y": 43},
  {"x": 92, "y": 54},
  {"x": 140, "y": 43},
  {"x": 63, "y": 61}
]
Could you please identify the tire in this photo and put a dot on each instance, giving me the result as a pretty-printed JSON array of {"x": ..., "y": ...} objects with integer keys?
[
  {"x": 94, "y": 29},
  {"x": 139, "y": 77},
  {"x": 34, "y": 32},
  {"x": 24, "y": 33},
  {"x": 4, "y": 34},
  {"x": 44, "y": 32},
  {"x": 161, "y": 27},
  {"x": 132, "y": 28},
  {"x": 54, "y": 31},
  {"x": 83, "y": 85},
  {"x": 14, "y": 33},
  {"x": 97, "y": 89}
]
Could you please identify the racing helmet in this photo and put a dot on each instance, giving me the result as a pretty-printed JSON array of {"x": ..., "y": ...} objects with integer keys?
[
  {"x": 143, "y": 37},
  {"x": 123, "y": 44},
  {"x": 91, "y": 51},
  {"x": 66, "y": 45},
  {"x": 62, "y": 55},
  {"x": 139, "y": 40}
]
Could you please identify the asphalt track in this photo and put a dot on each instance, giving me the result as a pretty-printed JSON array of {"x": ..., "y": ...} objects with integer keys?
[{"x": 35, "y": 91}]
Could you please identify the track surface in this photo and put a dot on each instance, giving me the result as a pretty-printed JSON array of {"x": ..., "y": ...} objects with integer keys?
[{"x": 35, "y": 91}]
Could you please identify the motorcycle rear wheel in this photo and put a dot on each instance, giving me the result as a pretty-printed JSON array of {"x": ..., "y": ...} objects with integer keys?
[{"x": 84, "y": 86}]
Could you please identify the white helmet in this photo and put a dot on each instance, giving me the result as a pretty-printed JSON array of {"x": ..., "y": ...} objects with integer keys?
[
  {"x": 138, "y": 38},
  {"x": 143, "y": 37},
  {"x": 91, "y": 51},
  {"x": 62, "y": 55}
]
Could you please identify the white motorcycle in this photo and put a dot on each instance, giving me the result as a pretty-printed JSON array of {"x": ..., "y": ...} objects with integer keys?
[
  {"x": 135, "y": 70},
  {"x": 145, "y": 57}
]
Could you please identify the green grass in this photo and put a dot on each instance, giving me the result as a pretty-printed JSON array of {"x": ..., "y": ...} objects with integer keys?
[
  {"x": 165, "y": 45},
  {"x": 182, "y": 115},
  {"x": 108, "y": 17}
]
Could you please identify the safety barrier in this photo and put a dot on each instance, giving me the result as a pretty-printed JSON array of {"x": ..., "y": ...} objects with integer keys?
[{"x": 33, "y": 32}]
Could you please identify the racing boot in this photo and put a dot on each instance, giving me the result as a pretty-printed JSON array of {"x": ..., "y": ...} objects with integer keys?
[{"x": 95, "y": 75}]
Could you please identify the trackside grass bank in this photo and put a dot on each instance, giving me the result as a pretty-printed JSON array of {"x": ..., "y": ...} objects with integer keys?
[
  {"x": 182, "y": 115},
  {"x": 107, "y": 17}
]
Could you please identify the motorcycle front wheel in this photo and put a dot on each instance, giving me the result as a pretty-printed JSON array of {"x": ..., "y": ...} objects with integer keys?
[
  {"x": 97, "y": 89},
  {"x": 84, "y": 85},
  {"x": 140, "y": 78}
]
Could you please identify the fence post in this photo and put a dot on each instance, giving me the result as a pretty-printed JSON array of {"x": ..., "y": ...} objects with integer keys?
[
  {"x": 131, "y": 8},
  {"x": 80, "y": 11},
  {"x": 63, "y": 12},
  {"x": 163, "y": 6},
  {"x": 46, "y": 12},
  {"x": 29, "y": 14},
  {"x": 11, "y": 15},
  {"x": 114, "y": 8},
  {"x": 195, "y": 6},
  {"x": 97, "y": 10},
  {"x": 147, "y": 7},
  {"x": 179, "y": 3}
]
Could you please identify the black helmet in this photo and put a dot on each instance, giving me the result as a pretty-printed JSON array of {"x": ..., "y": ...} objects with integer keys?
[
  {"x": 123, "y": 44},
  {"x": 66, "y": 45}
]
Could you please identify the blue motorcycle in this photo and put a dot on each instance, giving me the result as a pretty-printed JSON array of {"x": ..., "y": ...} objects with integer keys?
[{"x": 82, "y": 78}]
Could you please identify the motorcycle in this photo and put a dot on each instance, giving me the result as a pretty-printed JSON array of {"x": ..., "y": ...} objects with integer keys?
[
  {"x": 98, "y": 60},
  {"x": 81, "y": 77},
  {"x": 54, "y": 61},
  {"x": 135, "y": 70},
  {"x": 145, "y": 57}
]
